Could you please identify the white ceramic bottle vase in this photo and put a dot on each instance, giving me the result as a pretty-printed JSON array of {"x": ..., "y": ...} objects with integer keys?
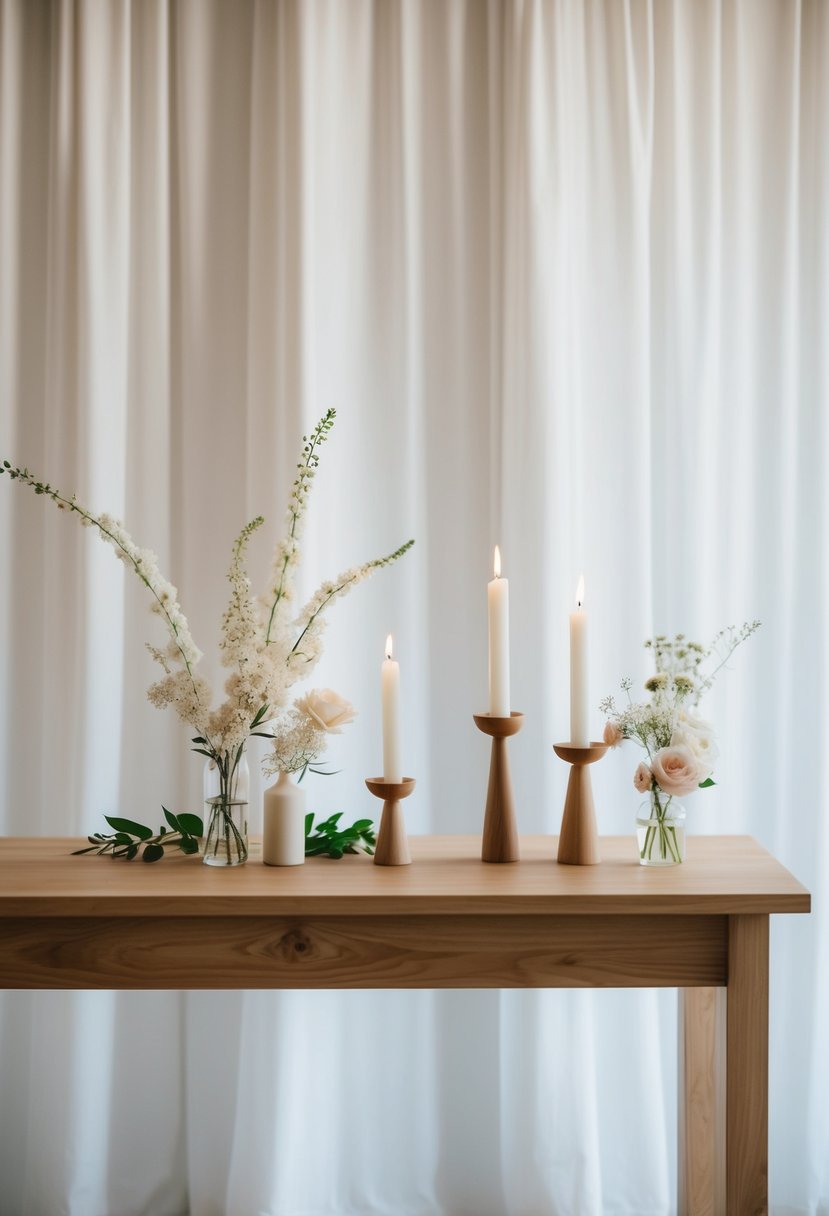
[{"x": 283, "y": 823}]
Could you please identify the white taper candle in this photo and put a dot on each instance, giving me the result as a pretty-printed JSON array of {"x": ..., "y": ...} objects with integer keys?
[
  {"x": 498, "y": 613},
  {"x": 579, "y": 729},
  {"x": 390, "y": 682}
]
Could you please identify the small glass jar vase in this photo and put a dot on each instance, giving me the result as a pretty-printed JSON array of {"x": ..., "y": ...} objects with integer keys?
[
  {"x": 660, "y": 830},
  {"x": 226, "y": 842}
]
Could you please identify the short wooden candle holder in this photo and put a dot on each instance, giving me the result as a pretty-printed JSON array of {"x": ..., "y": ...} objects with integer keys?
[
  {"x": 578, "y": 843},
  {"x": 392, "y": 842},
  {"x": 500, "y": 836}
]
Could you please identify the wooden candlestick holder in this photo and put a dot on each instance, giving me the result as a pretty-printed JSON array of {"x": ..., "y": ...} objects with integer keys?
[
  {"x": 500, "y": 837},
  {"x": 578, "y": 843},
  {"x": 392, "y": 842}
]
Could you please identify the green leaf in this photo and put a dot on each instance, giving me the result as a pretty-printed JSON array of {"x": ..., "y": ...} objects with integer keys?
[
  {"x": 191, "y": 824},
  {"x": 128, "y": 825},
  {"x": 706, "y": 784},
  {"x": 93, "y": 848},
  {"x": 361, "y": 825},
  {"x": 152, "y": 852},
  {"x": 131, "y": 852},
  {"x": 188, "y": 845},
  {"x": 171, "y": 819},
  {"x": 198, "y": 739},
  {"x": 202, "y": 752},
  {"x": 259, "y": 716},
  {"x": 309, "y": 823}
]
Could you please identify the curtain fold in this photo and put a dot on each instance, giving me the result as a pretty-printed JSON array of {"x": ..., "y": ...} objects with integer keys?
[{"x": 563, "y": 270}]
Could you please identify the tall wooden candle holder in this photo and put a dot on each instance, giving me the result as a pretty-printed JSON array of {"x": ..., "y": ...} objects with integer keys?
[
  {"x": 578, "y": 843},
  {"x": 500, "y": 837},
  {"x": 392, "y": 842}
]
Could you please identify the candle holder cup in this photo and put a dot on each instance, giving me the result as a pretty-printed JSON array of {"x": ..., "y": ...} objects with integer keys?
[
  {"x": 499, "y": 842},
  {"x": 578, "y": 842},
  {"x": 392, "y": 842}
]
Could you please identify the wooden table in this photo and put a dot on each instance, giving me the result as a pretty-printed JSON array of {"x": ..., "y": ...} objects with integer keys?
[{"x": 446, "y": 921}]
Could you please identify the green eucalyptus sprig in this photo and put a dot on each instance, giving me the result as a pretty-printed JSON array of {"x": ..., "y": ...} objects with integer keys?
[
  {"x": 185, "y": 830},
  {"x": 129, "y": 837},
  {"x": 330, "y": 841}
]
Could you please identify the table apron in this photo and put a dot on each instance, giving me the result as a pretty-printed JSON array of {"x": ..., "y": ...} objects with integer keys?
[{"x": 407, "y": 951}]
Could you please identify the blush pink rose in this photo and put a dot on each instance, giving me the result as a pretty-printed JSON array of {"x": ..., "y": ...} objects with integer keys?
[
  {"x": 612, "y": 735},
  {"x": 642, "y": 778},
  {"x": 676, "y": 770}
]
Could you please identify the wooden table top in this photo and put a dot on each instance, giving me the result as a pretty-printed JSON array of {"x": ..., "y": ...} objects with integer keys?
[{"x": 722, "y": 875}]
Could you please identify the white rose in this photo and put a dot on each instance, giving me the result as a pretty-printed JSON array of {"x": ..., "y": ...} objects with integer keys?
[
  {"x": 698, "y": 736},
  {"x": 327, "y": 709}
]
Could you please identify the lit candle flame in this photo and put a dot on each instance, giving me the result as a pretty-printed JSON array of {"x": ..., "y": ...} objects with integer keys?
[
  {"x": 496, "y": 562},
  {"x": 388, "y": 647},
  {"x": 580, "y": 592}
]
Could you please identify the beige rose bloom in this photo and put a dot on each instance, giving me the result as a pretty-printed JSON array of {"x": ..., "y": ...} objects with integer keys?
[
  {"x": 327, "y": 709},
  {"x": 642, "y": 778},
  {"x": 676, "y": 770},
  {"x": 612, "y": 735}
]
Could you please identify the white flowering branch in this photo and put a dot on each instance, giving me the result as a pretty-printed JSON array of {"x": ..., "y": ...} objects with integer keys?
[
  {"x": 143, "y": 562},
  {"x": 309, "y": 620},
  {"x": 286, "y": 555},
  {"x": 264, "y": 660},
  {"x": 239, "y": 626}
]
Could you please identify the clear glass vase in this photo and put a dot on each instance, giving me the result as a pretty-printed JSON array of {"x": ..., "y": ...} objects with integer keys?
[
  {"x": 660, "y": 830},
  {"x": 239, "y": 780},
  {"x": 226, "y": 842},
  {"x": 226, "y": 785}
]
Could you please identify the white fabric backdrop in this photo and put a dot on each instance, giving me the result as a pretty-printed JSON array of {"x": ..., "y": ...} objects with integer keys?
[{"x": 563, "y": 269}]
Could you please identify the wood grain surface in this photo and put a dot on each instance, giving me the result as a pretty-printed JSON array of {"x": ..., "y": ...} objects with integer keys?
[
  {"x": 722, "y": 875},
  {"x": 747, "y": 1073},
  {"x": 363, "y": 952},
  {"x": 447, "y": 920},
  {"x": 701, "y": 1093}
]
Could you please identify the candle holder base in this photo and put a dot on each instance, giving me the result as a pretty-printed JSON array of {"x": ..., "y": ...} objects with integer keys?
[
  {"x": 499, "y": 842},
  {"x": 578, "y": 842},
  {"x": 392, "y": 842}
]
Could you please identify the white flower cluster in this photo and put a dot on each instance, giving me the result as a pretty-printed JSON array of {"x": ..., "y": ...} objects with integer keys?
[
  {"x": 266, "y": 647},
  {"x": 300, "y": 735},
  {"x": 145, "y": 563},
  {"x": 681, "y": 746},
  {"x": 298, "y": 742}
]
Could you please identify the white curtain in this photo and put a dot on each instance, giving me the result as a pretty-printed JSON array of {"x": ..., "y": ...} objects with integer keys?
[{"x": 563, "y": 269}]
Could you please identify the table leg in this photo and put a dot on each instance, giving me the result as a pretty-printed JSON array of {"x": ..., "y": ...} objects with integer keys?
[
  {"x": 747, "y": 1083},
  {"x": 723, "y": 1082},
  {"x": 702, "y": 1102}
]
